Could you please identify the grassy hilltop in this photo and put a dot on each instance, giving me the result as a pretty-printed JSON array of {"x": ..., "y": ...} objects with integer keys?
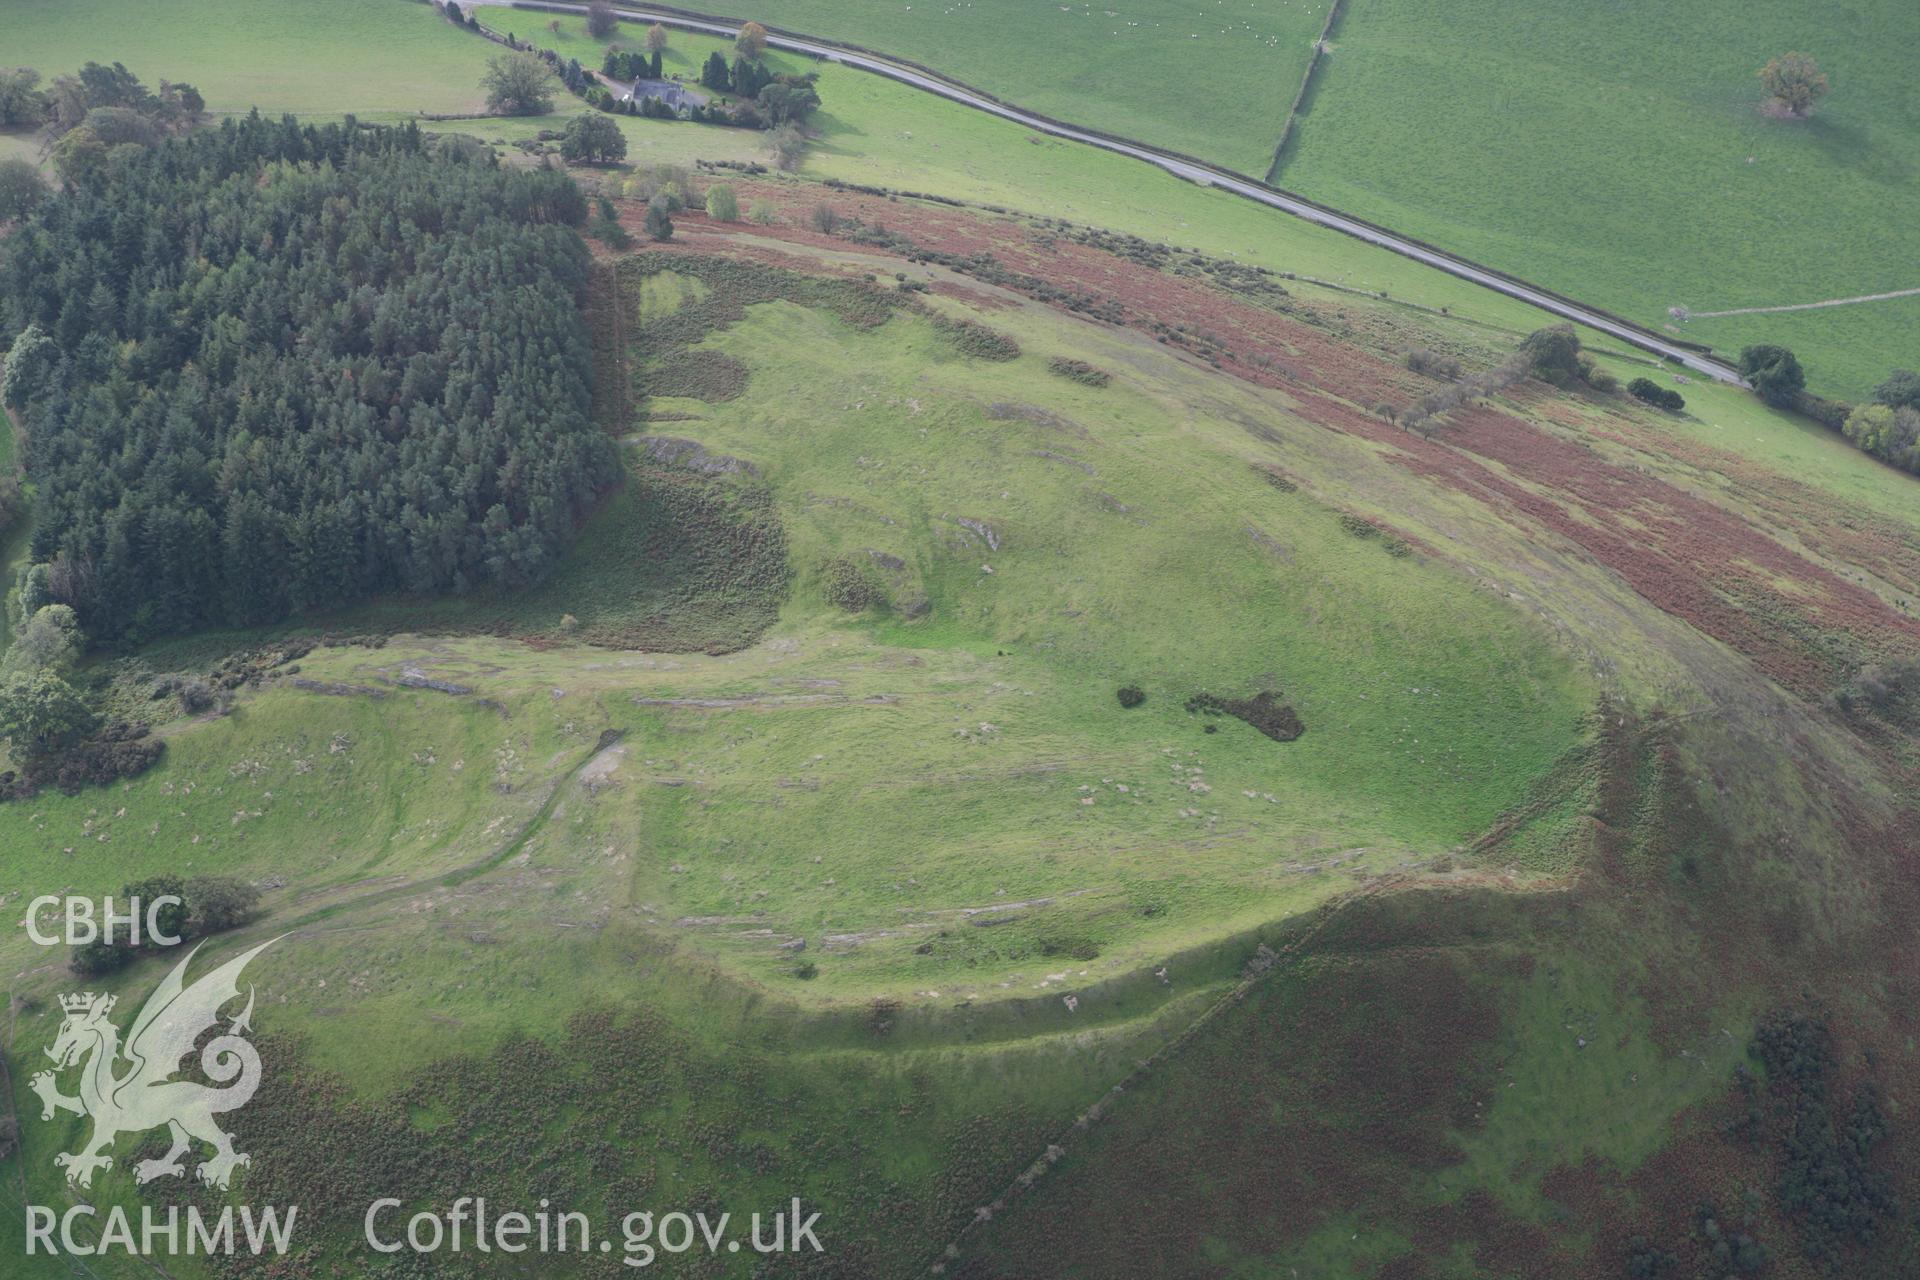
[
  {"x": 938, "y": 791},
  {"x": 792, "y": 837}
]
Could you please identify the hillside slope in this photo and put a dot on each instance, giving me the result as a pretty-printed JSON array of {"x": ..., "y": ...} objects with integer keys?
[{"x": 1564, "y": 672}]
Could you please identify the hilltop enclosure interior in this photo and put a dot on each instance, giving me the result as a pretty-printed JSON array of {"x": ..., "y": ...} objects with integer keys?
[{"x": 672, "y": 631}]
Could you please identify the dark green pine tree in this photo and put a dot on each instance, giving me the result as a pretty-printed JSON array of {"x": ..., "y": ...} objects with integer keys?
[
  {"x": 253, "y": 559},
  {"x": 249, "y": 397},
  {"x": 747, "y": 77}
]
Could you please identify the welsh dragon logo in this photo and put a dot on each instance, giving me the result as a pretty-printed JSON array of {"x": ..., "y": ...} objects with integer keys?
[{"x": 130, "y": 1088}]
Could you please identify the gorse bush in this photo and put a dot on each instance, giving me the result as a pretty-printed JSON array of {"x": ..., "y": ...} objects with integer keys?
[
  {"x": 1646, "y": 389},
  {"x": 274, "y": 367},
  {"x": 1079, "y": 370},
  {"x": 976, "y": 340},
  {"x": 846, "y": 587}
]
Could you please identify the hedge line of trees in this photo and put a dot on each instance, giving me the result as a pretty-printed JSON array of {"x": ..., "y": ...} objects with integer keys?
[
  {"x": 274, "y": 367},
  {"x": 1888, "y": 426},
  {"x": 66, "y": 102},
  {"x": 770, "y": 98}
]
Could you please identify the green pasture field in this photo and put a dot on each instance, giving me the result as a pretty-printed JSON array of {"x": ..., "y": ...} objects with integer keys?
[
  {"x": 1696, "y": 200},
  {"x": 1367, "y": 144},
  {"x": 1620, "y": 155},
  {"x": 872, "y": 130},
  {"x": 1212, "y": 80},
  {"x": 377, "y": 59}
]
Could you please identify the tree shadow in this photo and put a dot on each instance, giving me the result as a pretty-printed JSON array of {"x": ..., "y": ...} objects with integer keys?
[
  {"x": 833, "y": 135},
  {"x": 1850, "y": 146}
]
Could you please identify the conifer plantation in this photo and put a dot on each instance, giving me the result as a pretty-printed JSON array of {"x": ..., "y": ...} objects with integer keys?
[{"x": 274, "y": 367}]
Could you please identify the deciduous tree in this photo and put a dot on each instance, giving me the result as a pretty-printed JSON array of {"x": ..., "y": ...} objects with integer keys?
[
  {"x": 41, "y": 715},
  {"x": 29, "y": 367},
  {"x": 592, "y": 139},
  {"x": 1794, "y": 82},
  {"x": 20, "y": 188},
  {"x": 601, "y": 21},
  {"x": 21, "y": 101},
  {"x": 751, "y": 42},
  {"x": 1775, "y": 374},
  {"x": 518, "y": 84},
  {"x": 80, "y": 158},
  {"x": 1553, "y": 354},
  {"x": 50, "y": 641},
  {"x": 123, "y": 126},
  {"x": 784, "y": 102},
  {"x": 787, "y": 145},
  {"x": 1901, "y": 390},
  {"x": 722, "y": 203}
]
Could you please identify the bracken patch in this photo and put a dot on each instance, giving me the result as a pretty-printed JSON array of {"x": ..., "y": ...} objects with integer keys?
[
  {"x": 712, "y": 376},
  {"x": 1264, "y": 711}
]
